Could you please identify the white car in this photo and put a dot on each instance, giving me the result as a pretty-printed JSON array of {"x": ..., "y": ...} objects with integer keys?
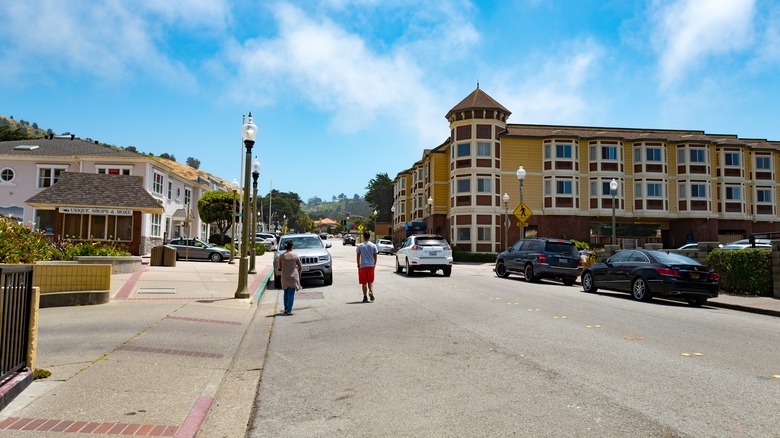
[
  {"x": 385, "y": 246},
  {"x": 424, "y": 252},
  {"x": 745, "y": 244}
]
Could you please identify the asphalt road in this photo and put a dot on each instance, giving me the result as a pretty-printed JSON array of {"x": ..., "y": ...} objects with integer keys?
[{"x": 476, "y": 355}]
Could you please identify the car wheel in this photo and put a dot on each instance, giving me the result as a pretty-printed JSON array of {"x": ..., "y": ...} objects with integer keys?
[
  {"x": 447, "y": 271},
  {"x": 529, "y": 273},
  {"x": 328, "y": 279},
  {"x": 398, "y": 267},
  {"x": 277, "y": 282},
  {"x": 640, "y": 291},
  {"x": 215, "y": 257},
  {"x": 501, "y": 270},
  {"x": 408, "y": 268},
  {"x": 697, "y": 302},
  {"x": 587, "y": 283},
  {"x": 568, "y": 281}
]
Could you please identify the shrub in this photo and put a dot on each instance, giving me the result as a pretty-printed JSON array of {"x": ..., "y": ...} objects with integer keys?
[
  {"x": 746, "y": 271},
  {"x": 478, "y": 257},
  {"x": 18, "y": 244},
  {"x": 67, "y": 249}
]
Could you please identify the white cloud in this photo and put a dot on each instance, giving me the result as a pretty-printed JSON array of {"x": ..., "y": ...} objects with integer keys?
[
  {"x": 686, "y": 33},
  {"x": 556, "y": 93},
  {"x": 315, "y": 59},
  {"x": 111, "y": 41}
]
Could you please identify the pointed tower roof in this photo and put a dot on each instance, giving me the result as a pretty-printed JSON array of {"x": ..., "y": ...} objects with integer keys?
[{"x": 478, "y": 99}]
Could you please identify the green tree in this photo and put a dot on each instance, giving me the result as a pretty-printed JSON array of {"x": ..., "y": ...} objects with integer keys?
[
  {"x": 193, "y": 162},
  {"x": 216, "y": 208},
  {"x": 8, "y": 134},
  {"x": 284, "y": 204},
  {"x": 167, "y": 156},
  {"x": 131, "y": 149},
  {"x": 380, "y": 196}
]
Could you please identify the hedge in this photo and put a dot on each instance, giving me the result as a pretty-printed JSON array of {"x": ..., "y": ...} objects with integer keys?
[{"x": 745, "y": 272}]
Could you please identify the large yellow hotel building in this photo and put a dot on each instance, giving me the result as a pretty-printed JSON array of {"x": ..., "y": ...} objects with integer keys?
[{"x": 683, "y": 186}]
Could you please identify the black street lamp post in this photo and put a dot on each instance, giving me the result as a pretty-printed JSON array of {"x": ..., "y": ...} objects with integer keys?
[
  {"x": 613, "y": 186},
  {"x": 506, "y": 220},
  {"x": 248, "y": 134},
  {"x": 255, "y": 174},
  {"x": 521, "y": 178},
  {"x": 234, "y": 189}
]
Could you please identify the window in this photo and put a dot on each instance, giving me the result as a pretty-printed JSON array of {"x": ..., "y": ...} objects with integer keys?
[
  {"x": 698, "y": 191},
  {"x": 763, "y": 163},
  {"x": 484, "y": 233},
  {"x": 563, "y": 151},
  {"x": 697, "y": 155},
  {"x": 483, "y": 149},
  {"x": 464, "y": 150},
  {"x": 157, "y": 183},
  {"x": 7, "y": 175},
  {"x": 654, "y": 190},
  {"x": 732, "y": 158},
  {"x": 464, "y": 233},
  {"x": 156, "y": 225},
  {"x": 98, "y": 227},
  {"x": 563, "y": 187},
  {"x": 187, "y": 196},
  {"x": 44, "y": 221},
  {"x": 733, "y": 193},
  {"x": 483, "y": 185},
  {"x": 547, "y": 152},
  {"x": 609, "y": 152},
  {"x": 605, "y": 190},
  {"x": 170, "y": 190},
  {"x": 653, "y": 154},
  {"x": 427, "y": 169},
  {"x": 764, "y": 195},
  {"x": 116, "y": 170},
  {"x": 48, "y": 176},
  {"x": 464, "y": 185}
]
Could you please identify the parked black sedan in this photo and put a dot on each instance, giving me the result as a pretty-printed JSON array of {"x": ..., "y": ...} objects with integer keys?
[{"x": 644, "y": 273}]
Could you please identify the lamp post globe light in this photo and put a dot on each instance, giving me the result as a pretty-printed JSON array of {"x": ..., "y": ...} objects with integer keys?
[
  {"x": 255, "y": 174},
  {"x": 430, "y": 211},
  {"x": 234, "y": 189},
  {"x": 248, "y": 134},
  {"x": 506, "y": 220},
  {"x": 613, "y": 186},
  {"x": 521, "y": 177},
  {"x": 392, "y": 224}
]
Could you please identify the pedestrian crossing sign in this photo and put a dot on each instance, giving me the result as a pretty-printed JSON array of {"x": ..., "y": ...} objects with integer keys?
[{"x": 522, "y": 212}]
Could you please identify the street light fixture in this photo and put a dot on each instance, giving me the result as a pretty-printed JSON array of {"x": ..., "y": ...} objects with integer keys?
[
  {"x": 506, "y": 220},
  {"x": 234, "y": 189},
  {"x": 430, "y": 211},
  {"x": 613, "y": 186},
  {"x": 521, "y": 177},
  {"x": 347, "y": 226},
  {"x": 248, "y": 134},
  {"x": 255, "y": 174},
  {"x": 392, "y": 224},
  {"x": 375, "y": 233}
]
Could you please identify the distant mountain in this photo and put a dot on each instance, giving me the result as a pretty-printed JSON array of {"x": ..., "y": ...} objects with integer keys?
[{"x": 24, "y": 127}]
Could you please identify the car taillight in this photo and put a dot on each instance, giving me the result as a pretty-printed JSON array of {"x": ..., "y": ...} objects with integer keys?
[
  {"x": 448, "y": 248},
  {"x": 541, "y": 258},
  {"x": 667, "y": 272},
  {"x": 714, "y": 276},
  {"x": 579, "y": 261},
  {"x": 415, "y": 247}
]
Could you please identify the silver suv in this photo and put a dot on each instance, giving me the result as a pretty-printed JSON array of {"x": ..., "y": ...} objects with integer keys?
[
  {"x": 315, "y": 258},
  {"x": 424, "y": 252}
]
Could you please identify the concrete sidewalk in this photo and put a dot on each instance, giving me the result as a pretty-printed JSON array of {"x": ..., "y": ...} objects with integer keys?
[{"x": 172, "y": 354}]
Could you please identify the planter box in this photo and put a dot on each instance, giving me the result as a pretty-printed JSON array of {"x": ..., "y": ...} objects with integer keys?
[
  {"x": 119, "y": 265},
  {"x": 70, "y": 284}
]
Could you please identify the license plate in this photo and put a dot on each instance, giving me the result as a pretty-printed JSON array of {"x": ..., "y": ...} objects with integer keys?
[
  {"x": 563, "y": 261},
  {"x": 695, "y": 276},
  {"x": 305, "y": 268},
  {"x": 434, "y": 253}
]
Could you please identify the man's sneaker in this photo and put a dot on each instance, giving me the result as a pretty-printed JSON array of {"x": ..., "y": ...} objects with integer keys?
[
  {"x": 365, "y": 300},
  {"x": 371, "y": 295}
]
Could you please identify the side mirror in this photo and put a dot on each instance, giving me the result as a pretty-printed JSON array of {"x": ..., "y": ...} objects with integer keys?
[{"x": 328, "y": 245}]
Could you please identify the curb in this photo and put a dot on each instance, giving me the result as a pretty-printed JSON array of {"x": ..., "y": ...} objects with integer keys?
[{"x": 758, "y": 310}]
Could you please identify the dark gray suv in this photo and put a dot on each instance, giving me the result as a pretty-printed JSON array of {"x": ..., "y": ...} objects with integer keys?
[{"x": 541, "y": 258}]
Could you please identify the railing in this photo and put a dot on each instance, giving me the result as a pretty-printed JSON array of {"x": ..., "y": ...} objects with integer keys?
[{"x": 15, "y": 305}]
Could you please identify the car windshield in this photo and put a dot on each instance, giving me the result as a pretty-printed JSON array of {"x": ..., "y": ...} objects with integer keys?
[
  {"x": 304, "y": 242},
  {"x": 430, "y": 242},
  {"x": 674, "y": 259}
]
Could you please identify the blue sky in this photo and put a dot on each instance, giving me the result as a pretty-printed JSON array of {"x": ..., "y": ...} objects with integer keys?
[{"x": 344, "y": 89}]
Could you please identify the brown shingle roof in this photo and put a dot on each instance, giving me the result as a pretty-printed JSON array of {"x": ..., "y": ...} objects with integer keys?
[
  {"x": 75, "y": 189},
  {"x": 478, "y": 99},
  {"x": 62, "y": 147}
]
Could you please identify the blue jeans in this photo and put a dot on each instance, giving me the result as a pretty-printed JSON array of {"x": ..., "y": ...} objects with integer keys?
[{"x": 289, "y": 297}]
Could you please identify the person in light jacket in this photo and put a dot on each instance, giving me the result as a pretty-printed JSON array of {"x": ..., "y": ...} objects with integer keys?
[{"x": 291, "y": 268}]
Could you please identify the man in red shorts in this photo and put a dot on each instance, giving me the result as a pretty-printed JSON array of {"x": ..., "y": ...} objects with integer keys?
[{"x": 366, "y": 262}]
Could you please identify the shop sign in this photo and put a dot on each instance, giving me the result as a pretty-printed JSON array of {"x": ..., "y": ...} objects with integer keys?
[{"x": 103, "y": 211}]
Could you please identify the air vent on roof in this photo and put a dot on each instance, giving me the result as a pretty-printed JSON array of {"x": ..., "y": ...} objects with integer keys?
[{"x": 26, "y": 147}]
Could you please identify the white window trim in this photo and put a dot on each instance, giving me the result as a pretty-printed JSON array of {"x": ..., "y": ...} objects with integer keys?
[
  {"x": 154, "y": 183},
  {"x": 39, "y": 167},
  {"x": 106, "y": 167},
  {"x": 9, "y": 182}
]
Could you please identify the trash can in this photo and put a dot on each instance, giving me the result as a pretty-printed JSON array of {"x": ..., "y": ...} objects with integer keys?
[
  {"x": 169, "y": 256},
  {"x": 156, "y": 258}
]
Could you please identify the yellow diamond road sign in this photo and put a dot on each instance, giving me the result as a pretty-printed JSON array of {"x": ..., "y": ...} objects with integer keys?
[{"x": 523, "y": 212}]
